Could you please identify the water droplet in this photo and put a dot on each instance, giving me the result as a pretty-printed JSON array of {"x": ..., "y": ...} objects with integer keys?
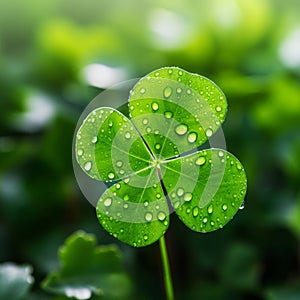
[
  {"x": 167, "y": 92},
  {"x": 176, "y": 204},
  {"x": 110, "y": 123},
  {"x": 200, "y": 161},
  {"x": 188, "y": 197},
  {"x": 180, "y": 192},
  {"x": 80, "y": 152},
  {"x": 239, "y": 166},
  {"x": 224, "y": 207},
  {"x": 146, "y": 203},
  {"x": 118, "y": 186},
  {"x": 242, "y": 205},
  {"x": 180, "y": 73},
  {"x": 218, "y": 108},
  {"x": 161, "y": 216},
  {"x": 179, "y": 90},
  {"x": 155, "y": 106},
  {"x": 181, "y": 129},
  {"x": 94, "y": 140},
  {"x": 156, "y": 74},
  {"x": 221, "y": 153},
  {"x": 111, "y": 175},
  {"x": 142, "y": 91},
  {"x": 148, "y": 129},
  {"x": 210, "y": 209},
  {"x": 126, "y": 205},
  {"x": 212, "y": 223},
  {"x": 107, "y": 202},
  {"x": 156, "y": 131},
  {"x": 158, "y": 195},
  {"x": 145, "y": 121},
  {"x": 209, "y": 132},
  {"x": 165, "y": 222},
  {"x": 188, "y": 210},
  {"x": 195, "y": 211},
  {"x": 122, "y": 172},
  {"x": 192, "y": 137},
  {"x": 188, "y": 91},
  {"x": 168, "y": 114},
  {"x": 170, "y": 71},
  {"x": 145, "y": 237},
  {"x": 205, "y": 220},
  {"x": 148, "y": 216},
  {"x": 127, "y": 135},
  {"x": 88, "y": 166},
  {"x": 126, "y": 198},
  {"x": 157, "y": 146},
  {"x": 119, "y": 164}
]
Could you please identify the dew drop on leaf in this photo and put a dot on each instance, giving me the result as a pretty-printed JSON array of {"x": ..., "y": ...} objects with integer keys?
[
  {"x": 188, "y": 197},
  {"x": 168, "y": 114},
  {"x": 224, "y": 207},
  {"x": 205, "y": 220},
  {"x": 239, "y": 166},
  {"x": 145, "y": 121},
  {"x": 181, "y": 129},
  {"x": 142, "y": 91},
  {"x": 161, "y": 216},
  {"x": 155, "y": 106},
  {"x": 88, "y": 166},
  {"x": 118, "y": 186},
  {"x": 126, "y": 205},
  {"x": 146, "y": 203},
  {"x": 195, "y": 211},
  {"x": 209, "y": 132},
  {"x": 145, "y": 237},
  {"x": 210, "y": 209},
  {"x": 80, "y": 152},
  {"x": 221, "y": 153},
  {"x": 179, "y": 90},
  {"x": 180, "y": 192},
  {"x": 94, "y": 140},
  {"x": 218, "y": 108},
  {"x": 126, "y": 198},
  {"x": 107, "y": 202},
  {"x": 127, "y": 135},
  {"x": 111, "y": 175},
  {"x": 167, "y": 92},
  {"x": 242, "y": 205},
  {"x": 192, "y": 137},
  {"x": 119, "y": 164},
  {"x": 148, "y": 216},
  {"x": 110, "y": 123},
  {"x": 157, "y": 146},
  {"x": 200, "y": 161}
]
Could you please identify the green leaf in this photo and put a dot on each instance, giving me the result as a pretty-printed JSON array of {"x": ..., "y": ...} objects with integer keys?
[
  {"x": 108, "y": 147},
  {"x": 135, "y": 210},
  {"x": 209, "y": 189},
  {"x": 15, "y": 281},
  {"x": 172, "y": 107},
  {"x": 87, "y": 269}
]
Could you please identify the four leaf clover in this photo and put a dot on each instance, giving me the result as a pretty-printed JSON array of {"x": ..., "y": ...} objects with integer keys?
[{"x": 154, "y": 161}]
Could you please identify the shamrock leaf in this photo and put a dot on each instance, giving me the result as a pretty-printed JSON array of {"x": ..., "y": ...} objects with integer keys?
[{"x": 153, "y": 159}]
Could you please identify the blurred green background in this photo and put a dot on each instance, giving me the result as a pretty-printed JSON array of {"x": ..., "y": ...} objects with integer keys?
[{"x": 57, "y": 55}]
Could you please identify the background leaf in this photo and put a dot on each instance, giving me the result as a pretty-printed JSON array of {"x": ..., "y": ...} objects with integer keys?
[
  {"x": 87, "y": 269},
  {"x": 15, "y": 281}
]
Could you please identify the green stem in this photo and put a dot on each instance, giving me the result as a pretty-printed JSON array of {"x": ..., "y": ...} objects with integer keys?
[{"x": 166, "y": 266}]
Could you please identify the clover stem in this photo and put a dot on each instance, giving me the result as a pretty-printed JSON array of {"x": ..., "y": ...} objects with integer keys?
[{"x": 166, "y": 267}]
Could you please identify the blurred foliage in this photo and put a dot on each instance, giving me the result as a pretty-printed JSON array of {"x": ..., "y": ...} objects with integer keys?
[
  {"x": 15, "y": 281},
  {"x": 250, "y": 48},
  {"x": 87, "y": 270}
]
